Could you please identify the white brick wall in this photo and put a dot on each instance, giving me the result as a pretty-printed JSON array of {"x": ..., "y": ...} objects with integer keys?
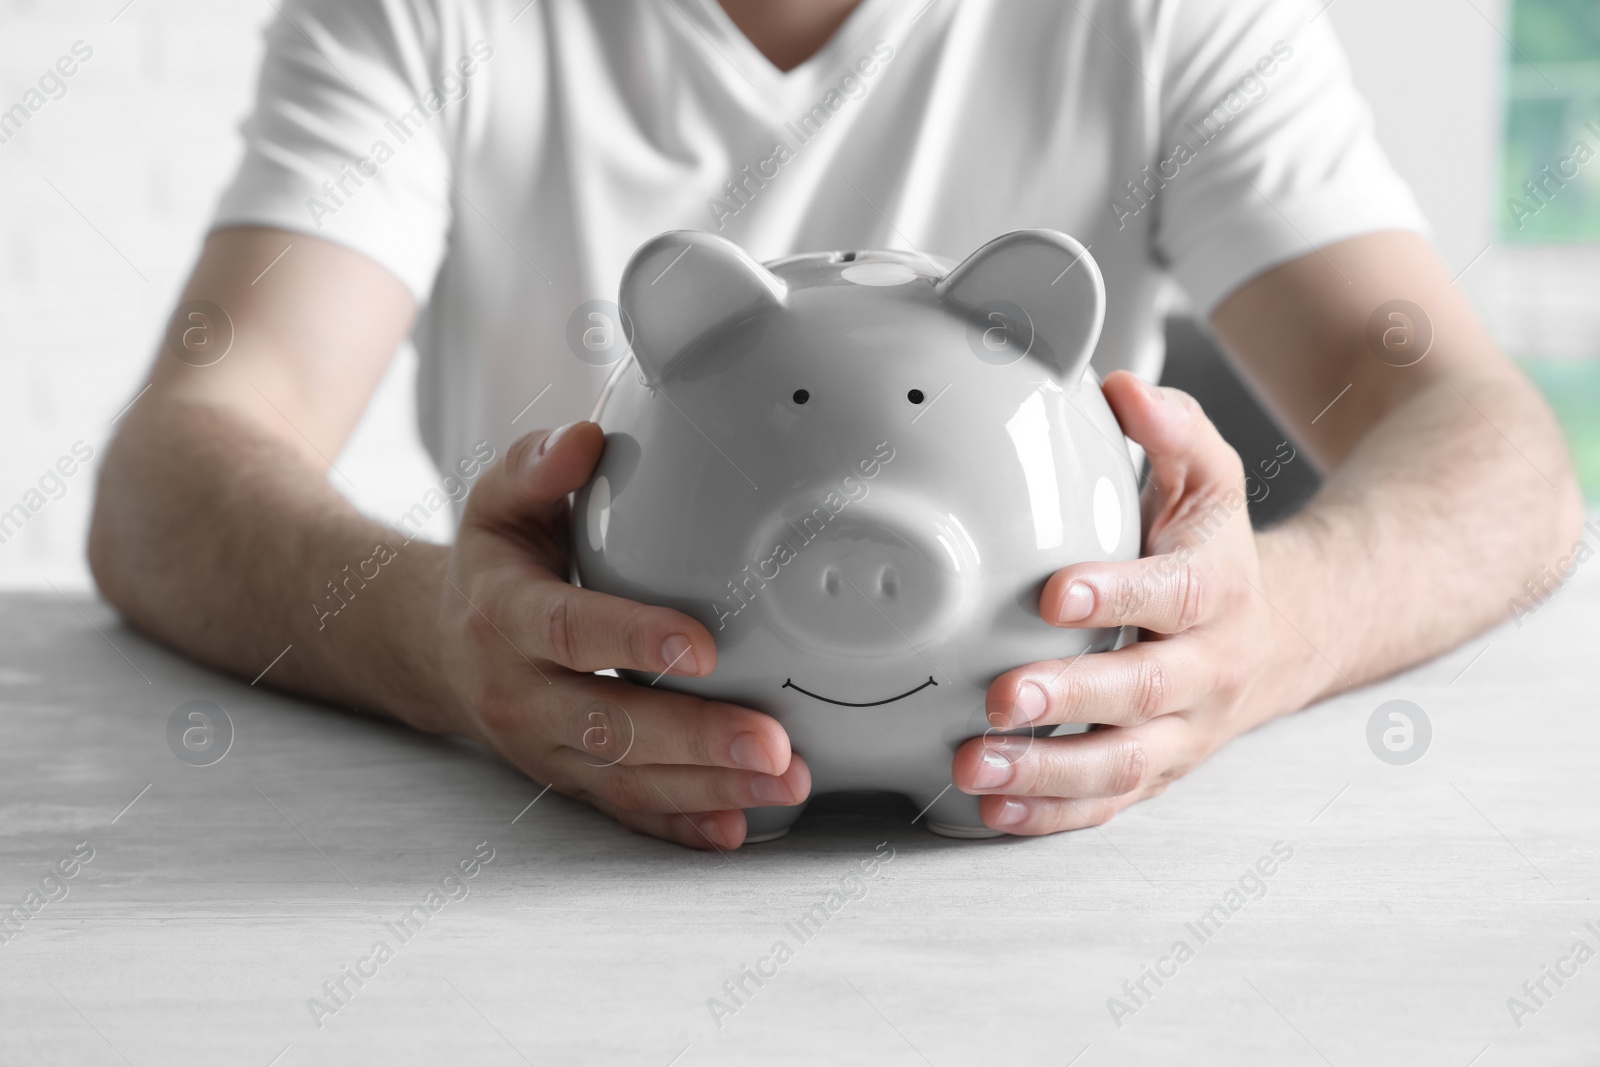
[{"x": 140, "y": 144}]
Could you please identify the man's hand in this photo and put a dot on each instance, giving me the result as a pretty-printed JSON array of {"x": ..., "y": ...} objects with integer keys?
[
  {"x": 216, "y": 530},
  {"x": 1211, "y": 644},
  {"x": 1447, "y": 485},
  {"x": 518, "y": 642}
]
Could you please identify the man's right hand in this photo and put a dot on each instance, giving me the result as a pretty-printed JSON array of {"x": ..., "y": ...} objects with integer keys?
[
  {"x": 518, "y": 644},
  {"x": 216, "y": 531}
]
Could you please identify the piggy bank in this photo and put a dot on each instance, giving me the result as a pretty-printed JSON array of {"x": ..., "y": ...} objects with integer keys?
[{"x": 858, "y": 469}]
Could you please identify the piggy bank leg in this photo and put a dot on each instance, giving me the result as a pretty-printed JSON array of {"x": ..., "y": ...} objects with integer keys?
[
  {"x": 953, "y": 814},
  {"x": 769, "y": 824}
]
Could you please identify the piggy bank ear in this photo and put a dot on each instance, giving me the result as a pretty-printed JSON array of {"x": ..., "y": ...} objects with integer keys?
[
  {"x": 683, "y": 285},
  {"x": 1033, "y": 292}
]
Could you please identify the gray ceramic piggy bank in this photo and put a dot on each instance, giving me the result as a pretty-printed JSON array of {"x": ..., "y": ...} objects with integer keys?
[{"x": 857, "y": 469}]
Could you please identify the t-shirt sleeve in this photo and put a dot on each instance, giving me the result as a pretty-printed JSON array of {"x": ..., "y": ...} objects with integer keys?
[
  {"x": 1271, "y": 148},
  {"x": 345, "y": 142}
]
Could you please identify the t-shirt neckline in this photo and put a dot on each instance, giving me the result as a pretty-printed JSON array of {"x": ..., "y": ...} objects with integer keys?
[{"x": 726, "y": 37}]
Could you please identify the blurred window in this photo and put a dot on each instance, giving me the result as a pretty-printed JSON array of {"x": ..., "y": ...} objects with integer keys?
[{"x": 1550, "y": 166}]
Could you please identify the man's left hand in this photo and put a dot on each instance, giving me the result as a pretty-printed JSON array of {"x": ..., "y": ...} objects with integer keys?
[{"x": 1212, "y": 662}]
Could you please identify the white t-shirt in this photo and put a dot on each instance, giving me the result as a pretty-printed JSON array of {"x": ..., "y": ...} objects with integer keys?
[{"x": 504, "y": 158}]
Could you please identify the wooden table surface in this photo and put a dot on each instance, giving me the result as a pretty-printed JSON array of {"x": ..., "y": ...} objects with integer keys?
[{"x": 1415, "y": 901}]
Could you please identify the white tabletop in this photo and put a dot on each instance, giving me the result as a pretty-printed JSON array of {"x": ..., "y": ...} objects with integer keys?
[{"x": 219, "y": 899}]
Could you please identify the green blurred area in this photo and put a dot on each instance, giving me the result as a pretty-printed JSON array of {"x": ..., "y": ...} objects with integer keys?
[
  {"x": 1556, "y": 30},
  {"x": 1573, "y": 388},
  {"x": 1552, "y": 121}
]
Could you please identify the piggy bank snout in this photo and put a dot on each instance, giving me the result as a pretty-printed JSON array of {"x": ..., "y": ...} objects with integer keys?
[{"x": 872, "y": 583}]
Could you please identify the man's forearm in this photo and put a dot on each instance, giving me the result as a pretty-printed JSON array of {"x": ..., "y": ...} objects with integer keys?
[
  {"x": 241, "y": 548},
  {"x": 1422, "y": 536}
]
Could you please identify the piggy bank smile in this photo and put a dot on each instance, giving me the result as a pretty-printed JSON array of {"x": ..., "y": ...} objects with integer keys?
[
  {"x": 788, "y": 683},
  {"x": 858, "y": 470}
]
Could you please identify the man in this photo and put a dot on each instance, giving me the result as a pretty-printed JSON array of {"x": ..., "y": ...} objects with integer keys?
[{"x": 474, "y": 172}]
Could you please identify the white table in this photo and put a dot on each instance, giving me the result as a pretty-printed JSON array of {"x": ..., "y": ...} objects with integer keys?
[{"x": 219, "y": 899}]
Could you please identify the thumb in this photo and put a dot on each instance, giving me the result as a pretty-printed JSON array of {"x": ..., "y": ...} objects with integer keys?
[
  {"x": 1187, "y": 454},
  {"x": 537, "y": 473}
]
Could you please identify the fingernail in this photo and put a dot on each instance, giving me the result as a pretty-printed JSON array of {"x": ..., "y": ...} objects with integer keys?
[
  {"x": 769, "y": 790},
  {"x": 1030, "y": 704},
  {"x": 748, "y": 754},
  {"x": 677, "y": 656},
  {"x": 1011, "y": 813},
  {"x": 1077, "y": 604},
  {"x": 709, "y": 829},
  {"x": 994, "y": 770},
  {"x": 550, "y": 441},
  {"x": 1154, "y": 390}
]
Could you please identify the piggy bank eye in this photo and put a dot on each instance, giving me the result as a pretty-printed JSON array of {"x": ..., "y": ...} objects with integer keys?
[
  {"x": 915, "y": 396},
  {"x": 801, "y": 396}
]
